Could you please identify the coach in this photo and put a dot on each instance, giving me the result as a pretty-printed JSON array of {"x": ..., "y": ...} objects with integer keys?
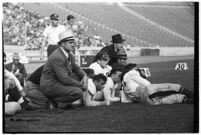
[
  {"x": 117, "y": 44},
  {"x": 62, "y": 80}
]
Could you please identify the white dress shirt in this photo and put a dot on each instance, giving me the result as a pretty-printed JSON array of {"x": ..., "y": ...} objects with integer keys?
[{"x": 52, "y": 34}]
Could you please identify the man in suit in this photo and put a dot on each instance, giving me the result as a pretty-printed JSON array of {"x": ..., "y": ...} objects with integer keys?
[
  {"x": 17, "y": 68},
  {"x": 121, "y": 58},
  {"x": 113, "y": 49},
  {"x": 62, "y": 80}
]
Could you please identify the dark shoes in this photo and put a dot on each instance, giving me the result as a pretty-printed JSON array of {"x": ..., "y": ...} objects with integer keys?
[
  {"x": 25, "y": 104},
  {"x": 51, "y": 104},
  {"x": 188, "y": 100},
  {"x": 188, "y": 93},
  {"x": 69, "y": 107}
]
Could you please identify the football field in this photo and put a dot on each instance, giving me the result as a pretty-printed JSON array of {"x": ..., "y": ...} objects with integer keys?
[{"x": 119, "y": 118}]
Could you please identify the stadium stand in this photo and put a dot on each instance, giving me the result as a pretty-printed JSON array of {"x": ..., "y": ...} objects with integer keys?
[{"x": 143, "y": 25}]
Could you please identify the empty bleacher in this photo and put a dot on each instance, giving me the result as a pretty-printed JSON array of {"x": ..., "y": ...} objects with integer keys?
[{"x": 172, "y": 27}]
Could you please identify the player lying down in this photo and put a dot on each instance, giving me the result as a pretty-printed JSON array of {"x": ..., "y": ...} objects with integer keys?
[{"x": 140, "y": 90}]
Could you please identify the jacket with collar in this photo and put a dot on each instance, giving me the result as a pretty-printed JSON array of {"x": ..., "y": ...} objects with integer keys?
[
  {"x": 18, "y": 66},
  {"x": 58, "y": 69}
]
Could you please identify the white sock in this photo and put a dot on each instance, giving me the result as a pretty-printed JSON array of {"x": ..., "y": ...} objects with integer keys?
[{"x": 20, "y": 100}]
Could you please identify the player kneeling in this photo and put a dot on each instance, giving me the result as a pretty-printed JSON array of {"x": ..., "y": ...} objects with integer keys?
[{"x": 138, "y": 89}]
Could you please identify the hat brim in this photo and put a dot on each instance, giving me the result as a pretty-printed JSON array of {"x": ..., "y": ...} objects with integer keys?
[
  {"x": 122, "y": 57},
  {"x": 54, "y": 18},
  {"x": 66, "y": 39},
  {"x": 118, "y": 42}
]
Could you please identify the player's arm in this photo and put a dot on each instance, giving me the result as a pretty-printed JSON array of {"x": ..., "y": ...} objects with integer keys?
[
  {"x": 88, "y": 100},
  {"x": 109, "y": 94}
]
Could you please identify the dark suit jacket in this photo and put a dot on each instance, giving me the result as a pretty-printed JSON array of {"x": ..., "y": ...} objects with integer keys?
[
  {"x": 111, "y": 52},
  {"x": 19, "y": 66},
  {"x": 58, "y": 70}
]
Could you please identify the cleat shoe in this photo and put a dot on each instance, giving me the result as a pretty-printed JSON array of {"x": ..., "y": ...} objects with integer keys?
[
  {"x": 188, "y": 100},
  {"x": 188, "y": 93}
]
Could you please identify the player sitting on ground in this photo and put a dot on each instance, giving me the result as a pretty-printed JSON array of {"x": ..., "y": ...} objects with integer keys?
[
  {"x": 138, "y": 89},
  {"x": 94, "y": 96}
]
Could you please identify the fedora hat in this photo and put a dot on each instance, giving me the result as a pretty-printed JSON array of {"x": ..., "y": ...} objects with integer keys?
[
  {"x": 16, "y": 56},
  {"x": 117, "y": 38},
  {"x": 66, "y": 36}
]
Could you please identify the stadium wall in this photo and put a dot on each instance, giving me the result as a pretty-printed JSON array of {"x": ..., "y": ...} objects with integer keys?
[
  {"x": 132, "y": 51},
  {"x": 164, "y": 51}
]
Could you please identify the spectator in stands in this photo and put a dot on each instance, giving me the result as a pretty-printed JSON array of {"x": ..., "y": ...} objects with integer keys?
[
  {"x": 17, "y": 68},
  {"x": 112, "y": 84},
  {"x": 113, "y": 49},
  {"x": 33, "y": 92},
  {"x": 62, "y": 80},
  {"x": 20, "y": 25},
  {"x": 70, "y": 24},
  {"x": 101, "y": 64},
  {"x": 51, "y": 34},
  {"x": 121, "y": 58},
  {"x": 94, "y": 96},
  {"x": 140, "y": 90}
]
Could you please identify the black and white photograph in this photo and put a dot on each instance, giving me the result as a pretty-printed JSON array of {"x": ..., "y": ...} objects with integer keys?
[{"x": 100, "y": 67}]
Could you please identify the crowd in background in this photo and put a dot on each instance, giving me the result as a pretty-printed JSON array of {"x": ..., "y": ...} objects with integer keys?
[{"x": 25, "y": 28}]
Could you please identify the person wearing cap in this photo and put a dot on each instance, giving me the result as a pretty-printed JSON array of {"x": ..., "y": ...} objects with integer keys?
[
  {"x": 94, "y": 96},
  {"x": 17, "y": 68},
  {"x": 101, "y": 65},
  {"x": 51, "y": 34},
  {"x": 117, "y": 44},
  {"x": 62, "y": 80},
  {"x": 140, "y": 90}
]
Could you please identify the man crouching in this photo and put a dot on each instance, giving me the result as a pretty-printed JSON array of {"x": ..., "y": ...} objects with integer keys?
[{"x": 62, "y": 80}]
